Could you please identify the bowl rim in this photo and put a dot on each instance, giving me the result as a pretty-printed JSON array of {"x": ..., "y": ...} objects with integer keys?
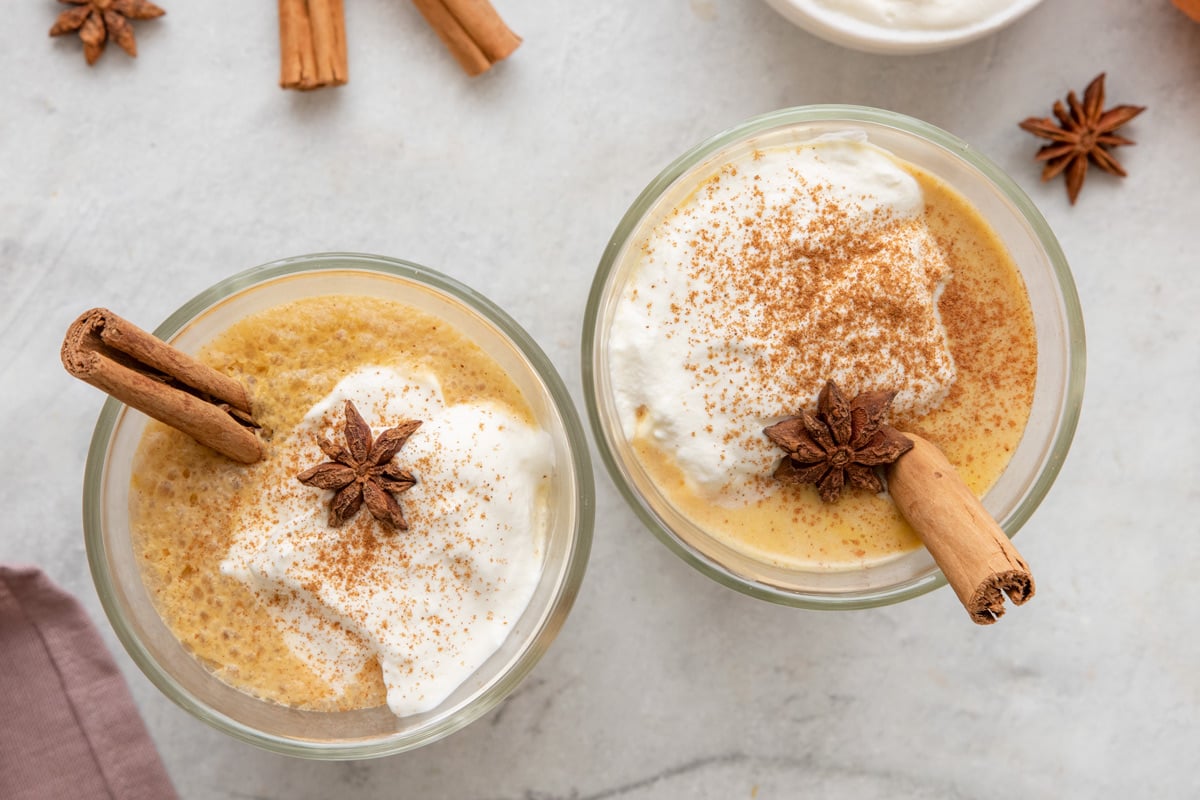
[
  {"x": 866, "y": 37},
  {"x": 1069, "y": 409},
  {"x": 539, "y": 640}
]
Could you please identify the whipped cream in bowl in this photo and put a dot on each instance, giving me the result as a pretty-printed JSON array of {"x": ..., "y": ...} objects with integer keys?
[
  {"x": 902, "y": 26},
  {"x": 429, "y": 606},
  {"x": 263, "y": 616},
  {"x": 813, "y": 244},
  {"x": 711, "y": 340}
]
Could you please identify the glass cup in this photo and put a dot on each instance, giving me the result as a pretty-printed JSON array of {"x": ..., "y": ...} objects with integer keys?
[
  {"x": 368, "y": 732},
  {"x": 1056, "y": 312}
]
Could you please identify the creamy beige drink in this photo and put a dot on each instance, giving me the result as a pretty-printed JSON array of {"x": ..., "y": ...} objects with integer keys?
[
  {"x": 789, "y": 266},
  {"x": 244, "y": 565}
]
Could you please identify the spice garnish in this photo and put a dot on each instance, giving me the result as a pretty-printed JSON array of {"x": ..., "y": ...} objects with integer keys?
[
  {"x": 842, "y": 443},
  {"x": 472, "y": 30},
  {"x": 1189, "y": 7},
  {"x": 142, "y": 371},
  {"x": 312, "y": 44},
  {"x": 1085, "y": 132},
  {"x": 363, "y": 471},
  {"x": 98, "y": 20}
]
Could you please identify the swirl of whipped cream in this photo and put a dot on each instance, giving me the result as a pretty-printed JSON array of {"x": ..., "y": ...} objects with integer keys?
[
  {"x": 429, "y": 604},
  {"x": 783, "y": 269}
]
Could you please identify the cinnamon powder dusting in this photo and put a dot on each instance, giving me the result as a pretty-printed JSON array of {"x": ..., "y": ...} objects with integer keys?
[
  {"x": 819, "y": 289},
  {"x": 785, "y": 293},
  {"x": 429, "y": 604},
  {"x": 291, "y": 357}
]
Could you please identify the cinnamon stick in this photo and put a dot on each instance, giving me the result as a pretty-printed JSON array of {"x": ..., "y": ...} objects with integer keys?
[
  {"x": 146, "y": 373},
  {"x": 472, "y": 30},
  {"x": 312, "y": 44},
  {"x": 979, "y": 561},
  {"x": 1189, "y": 7}
]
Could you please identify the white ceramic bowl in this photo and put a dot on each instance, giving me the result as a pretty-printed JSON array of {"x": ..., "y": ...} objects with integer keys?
[{"x": 819, "y": 19}]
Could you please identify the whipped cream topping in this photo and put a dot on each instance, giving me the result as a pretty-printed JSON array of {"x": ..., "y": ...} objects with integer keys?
[
  {"x": 429, "y": 604},
  {"x": 918, "y": 15},
  {"x": 785, "y": 268}
]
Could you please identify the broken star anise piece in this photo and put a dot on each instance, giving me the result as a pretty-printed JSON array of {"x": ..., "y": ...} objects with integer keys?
[
  {"x": 99, "y": 20},
  {"x": 842, "y": 443},
  {"x": 1084, "y": 132},
  {"x": 362, "y": 471}
]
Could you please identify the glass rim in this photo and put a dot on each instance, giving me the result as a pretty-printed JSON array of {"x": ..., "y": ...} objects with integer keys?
[
  {"x": 560, "y": 604},
  {"x": 871, "y": 37},
  {"x": 1068, "y": 412}
]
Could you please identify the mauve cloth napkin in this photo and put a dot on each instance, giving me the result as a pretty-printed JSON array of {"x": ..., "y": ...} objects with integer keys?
[{"x": 68, "y": 725}]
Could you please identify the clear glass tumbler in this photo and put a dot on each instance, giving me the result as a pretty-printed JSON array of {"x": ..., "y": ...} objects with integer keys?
[
  {"x": 1057, "y": 316},
  {"x": 375, "y": 731}
]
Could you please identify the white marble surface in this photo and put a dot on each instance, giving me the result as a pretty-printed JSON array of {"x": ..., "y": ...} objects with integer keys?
[{"x": 136, "y": 184}]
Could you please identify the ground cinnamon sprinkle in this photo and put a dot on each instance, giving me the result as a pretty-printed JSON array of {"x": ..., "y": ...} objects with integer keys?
[
  {"x": 180, "y": 489},
  {"x": 804, "y": 283},
  {"x": 780, "y": 296},
  {"x": 363, "y": 555}
]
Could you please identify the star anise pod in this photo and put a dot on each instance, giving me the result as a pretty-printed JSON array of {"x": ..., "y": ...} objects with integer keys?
[
  {"x": 363, "y": 471},
  {"x": 99, "y": 20},
  {"x": 1085, "y": 133},
  {"x": 842, "y": 443}
]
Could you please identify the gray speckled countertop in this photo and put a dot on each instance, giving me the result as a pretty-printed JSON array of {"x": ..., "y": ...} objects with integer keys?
[{"x": 136, "y": 184}]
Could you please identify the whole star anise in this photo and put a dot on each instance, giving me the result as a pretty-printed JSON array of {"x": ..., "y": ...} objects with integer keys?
[
  {"x": 97, "y": 20},
  {"x": 363, "y": 471},
  {"x": 1085, "y": 132},
  {"x": 842, "y": 443}
]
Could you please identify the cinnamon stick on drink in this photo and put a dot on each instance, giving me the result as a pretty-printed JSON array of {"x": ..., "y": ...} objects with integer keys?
[
  {"x": 979, "y": 561},
  {"x": 472, "y": 30},
  {"x": 146, "y": 373},
  {"x": 312, "y": 44}
]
